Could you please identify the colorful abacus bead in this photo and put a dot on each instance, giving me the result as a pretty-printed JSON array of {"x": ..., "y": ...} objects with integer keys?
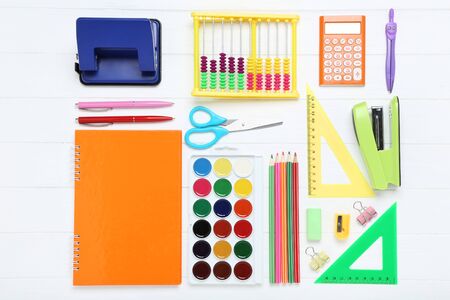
[
  {"x": 259, "y": 75},
  {"x": 231, "y": 73},
  {"x": 213, "y": 74},
  {"x": 268, "y": 74},
  {"x": 203, "y": 72},
  {"x": 286, "y": 74},
  {"x": 277, "y": 75},
  {"x": 241, "y": 71},
  {"x": 250, "y": 73},
  {"x": 223, "y": 71}
]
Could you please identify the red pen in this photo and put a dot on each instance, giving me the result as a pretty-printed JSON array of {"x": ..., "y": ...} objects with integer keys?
[{"x": 122, "y": 119}]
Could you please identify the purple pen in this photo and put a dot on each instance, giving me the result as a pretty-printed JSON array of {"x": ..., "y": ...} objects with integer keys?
[
  {"x": 391, "y": 32},
  {"x": 122, "y": 104}
]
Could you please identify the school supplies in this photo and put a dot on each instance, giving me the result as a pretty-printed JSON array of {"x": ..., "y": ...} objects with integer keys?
[
  {"x": 127, "y": 208},
  {"x": 383, "y": 165},
  {"x": 365, "y": 213},
  {"x": 109, "y": 120},
  {"x": 119, "y": 51},
  {"x": 318, "y": 259},
  {"x": 320, "y": 126},
  {"x": 391, "y": 33},
  {"x": 271, "y": 221},
  {"x": 264, "y": 48},
  {"x": 313, "y": 224},
  {"x": 100, "y": 106},
  {"x": 220, "y": 126},
  {"x": 342, "y": 50},
  {"x": 224, "y": 236},
  {"x": 284, "y": 219},
  {"x": 341, "y": 270},
  {"x": 342, "y": 223}
]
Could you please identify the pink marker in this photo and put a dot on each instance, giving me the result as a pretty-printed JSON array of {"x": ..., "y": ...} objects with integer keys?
[{"x": 122, "y": 104}]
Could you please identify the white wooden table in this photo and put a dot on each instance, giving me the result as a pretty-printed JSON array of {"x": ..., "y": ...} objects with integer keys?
[{"x": 39, "y": 89}]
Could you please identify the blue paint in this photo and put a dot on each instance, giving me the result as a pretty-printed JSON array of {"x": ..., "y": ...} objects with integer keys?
[
  {"x": 202, "y": 167},
  {"x": 222, "y": 208}
]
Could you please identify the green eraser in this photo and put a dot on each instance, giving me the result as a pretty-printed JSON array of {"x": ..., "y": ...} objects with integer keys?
[{"x": 313, "y": 224}]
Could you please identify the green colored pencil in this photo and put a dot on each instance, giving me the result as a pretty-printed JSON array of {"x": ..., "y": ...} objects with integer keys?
[
  {"x": 271, "y": 222},
  {"x": 289, "y": 216}
]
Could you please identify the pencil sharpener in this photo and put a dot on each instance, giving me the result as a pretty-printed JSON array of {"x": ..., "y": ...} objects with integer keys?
[{"x": 342, "y": 226}]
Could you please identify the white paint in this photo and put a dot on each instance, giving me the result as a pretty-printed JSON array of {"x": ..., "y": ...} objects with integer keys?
[{"x": 242, "y": 167}]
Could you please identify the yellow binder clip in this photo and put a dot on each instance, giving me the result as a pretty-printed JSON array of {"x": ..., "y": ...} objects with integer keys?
[{"x": 318, "y": 259}]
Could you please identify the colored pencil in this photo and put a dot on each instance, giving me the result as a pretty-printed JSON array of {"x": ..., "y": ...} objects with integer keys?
[
  {"x": 271, "y": 222},
  {"x": 278, "y": 219},
  {"x": 284, "y": 217},
  {"x": 289, "y": 218},
  {"x": 296, "y": 221}
]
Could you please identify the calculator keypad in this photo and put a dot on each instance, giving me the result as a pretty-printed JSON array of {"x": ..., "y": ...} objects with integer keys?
[{"x": 342, "y": 59}]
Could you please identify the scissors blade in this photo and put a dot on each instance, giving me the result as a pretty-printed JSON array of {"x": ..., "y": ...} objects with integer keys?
[{"x": 243, "y": 125}]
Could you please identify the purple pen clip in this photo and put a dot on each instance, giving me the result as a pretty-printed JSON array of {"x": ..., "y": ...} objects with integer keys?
[{"x": 391, "y": 32}]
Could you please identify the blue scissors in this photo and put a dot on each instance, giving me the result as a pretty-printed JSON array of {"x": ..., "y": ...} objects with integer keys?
[{"x": 220, "y": 126}]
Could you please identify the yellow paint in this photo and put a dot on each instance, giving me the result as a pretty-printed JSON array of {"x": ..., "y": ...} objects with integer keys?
[
  {"x": 243, "y": 187},
  {"x": 222, "y": 167},
  {"x": 222, "y": 249}
]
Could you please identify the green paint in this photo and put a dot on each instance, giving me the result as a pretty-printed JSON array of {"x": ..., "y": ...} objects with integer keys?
[
  {"x": 386, "y": 228},
  {"x": 222, "y": 187},
  {"x": 243, "y": 249},
  {"x": 202, "y": 208}
]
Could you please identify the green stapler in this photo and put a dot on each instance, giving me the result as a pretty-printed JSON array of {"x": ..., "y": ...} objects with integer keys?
[{"x": 383, "y": 164}]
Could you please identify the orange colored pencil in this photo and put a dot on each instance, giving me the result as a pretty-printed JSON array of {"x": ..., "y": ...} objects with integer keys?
[{"x": 284, "y": 218}]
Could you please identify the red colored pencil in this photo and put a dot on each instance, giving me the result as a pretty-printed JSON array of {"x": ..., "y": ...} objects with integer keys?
[
  {"x": 122, "y": 119},
  {"x": 296, "y": 220}
]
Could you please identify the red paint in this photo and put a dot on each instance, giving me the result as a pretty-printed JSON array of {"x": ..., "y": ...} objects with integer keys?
[
  {"x": 202, "y": 187},
  {"x": 243, "y": 228},
  {"x": 243, "y": 270},
  {"x": 243, "y": 208},
  {"x": 222, "y": 228}
]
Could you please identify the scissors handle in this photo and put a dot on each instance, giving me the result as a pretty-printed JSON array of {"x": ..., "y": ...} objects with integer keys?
[
  {"x": 218, "y": 132},
  {"x": 214, "y": 119}
]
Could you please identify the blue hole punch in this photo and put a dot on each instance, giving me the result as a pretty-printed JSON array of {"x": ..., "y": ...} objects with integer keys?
[{"x": 119, "y": 51}]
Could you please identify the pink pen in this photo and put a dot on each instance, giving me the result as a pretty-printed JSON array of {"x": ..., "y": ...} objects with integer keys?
[{"x": 122, "y": 104}]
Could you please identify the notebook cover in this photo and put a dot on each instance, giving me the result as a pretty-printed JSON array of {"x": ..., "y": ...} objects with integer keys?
[{"x": 127, "y": 208}]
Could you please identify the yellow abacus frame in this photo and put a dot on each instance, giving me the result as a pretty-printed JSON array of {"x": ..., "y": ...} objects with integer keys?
[{"x": 254, "y": 19}]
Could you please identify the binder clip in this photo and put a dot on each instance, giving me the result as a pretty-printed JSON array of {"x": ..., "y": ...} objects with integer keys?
[
  {"x": 365, "y": 213},
  {"x": 119, "y": 51},
  {"x": 342, "y": 229},
  {"x": 383, "y": 164},
  {"x": 318, "y": 260}
]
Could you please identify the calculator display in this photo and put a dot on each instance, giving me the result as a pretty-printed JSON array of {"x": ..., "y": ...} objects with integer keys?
[{"x": 343, "y": 28}]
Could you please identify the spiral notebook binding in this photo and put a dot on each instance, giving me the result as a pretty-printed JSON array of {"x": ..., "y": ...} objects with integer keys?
[
  {"x": 76, "y": 254},
  {"x": 77, "y": 163}
]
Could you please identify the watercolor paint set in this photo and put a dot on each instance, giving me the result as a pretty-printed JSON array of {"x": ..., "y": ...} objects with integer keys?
[{"x": 225, "y": 242}]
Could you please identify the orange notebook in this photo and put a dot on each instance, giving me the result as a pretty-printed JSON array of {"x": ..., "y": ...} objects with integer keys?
[{"x": 127, "y": 208}]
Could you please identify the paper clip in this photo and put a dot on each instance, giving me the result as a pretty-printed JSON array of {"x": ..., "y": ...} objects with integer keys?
[
  {"x": 318, "y": 260},
  {"x": 365, "y": 213}
]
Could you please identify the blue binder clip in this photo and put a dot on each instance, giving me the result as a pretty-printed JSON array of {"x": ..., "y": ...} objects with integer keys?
[{"x": 119, "y": 51}]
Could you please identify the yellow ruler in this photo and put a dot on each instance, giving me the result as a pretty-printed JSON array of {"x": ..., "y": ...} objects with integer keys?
[{"x": 320, "y": 126}]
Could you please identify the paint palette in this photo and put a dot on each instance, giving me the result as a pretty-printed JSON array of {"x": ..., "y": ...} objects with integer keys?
[{"x": 225, "y": 211}]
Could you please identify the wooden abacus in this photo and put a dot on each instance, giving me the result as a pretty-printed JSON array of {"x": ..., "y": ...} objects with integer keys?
[{"x": 258, "y": 76}]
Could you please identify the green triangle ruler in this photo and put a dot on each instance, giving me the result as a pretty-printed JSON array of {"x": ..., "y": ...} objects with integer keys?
[{"x": 386, "y": 228}]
